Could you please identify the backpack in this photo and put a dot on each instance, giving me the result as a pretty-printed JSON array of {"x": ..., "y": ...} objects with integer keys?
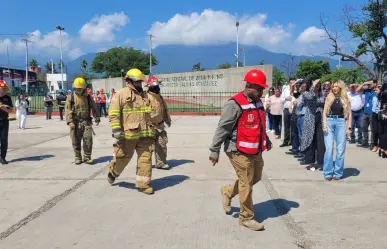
[{"x": 72, "y": 102}]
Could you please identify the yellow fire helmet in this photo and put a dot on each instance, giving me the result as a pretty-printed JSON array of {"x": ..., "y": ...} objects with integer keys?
[
  {"x": 135, "y": 75},
  {"x": 79, "y": 83}
]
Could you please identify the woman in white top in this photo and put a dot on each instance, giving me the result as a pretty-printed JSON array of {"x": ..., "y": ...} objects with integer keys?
[
  {"x": 269, "y": 118},
  {"x": 21, "y": 111}
]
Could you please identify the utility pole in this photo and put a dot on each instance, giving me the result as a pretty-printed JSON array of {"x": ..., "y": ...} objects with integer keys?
[
  {"x": 237, "y": 45},
  {"x": 8, "y": 61},
  {"x": 26, "y": 41},
  {"x": 150, "y": 54},
  {"x": 61, "y": 55},
  {"x": 52, "y": 66}
]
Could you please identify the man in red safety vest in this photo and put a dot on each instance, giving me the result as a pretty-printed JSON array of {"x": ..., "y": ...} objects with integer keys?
[{"x": 242, "y": 129}]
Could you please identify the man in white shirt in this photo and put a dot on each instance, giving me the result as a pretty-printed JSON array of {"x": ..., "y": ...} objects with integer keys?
[
  {"x": 285, "y": 99},
  {"x": 357, "y": 103}
]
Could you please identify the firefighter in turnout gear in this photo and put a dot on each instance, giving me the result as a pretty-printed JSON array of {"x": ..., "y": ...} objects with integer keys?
[
  {"x": 79, "y": 106},
  {"x": 159, "y": 117},
  {"x": 130, "y": 120},
  {"x": 242, "y": 130}
]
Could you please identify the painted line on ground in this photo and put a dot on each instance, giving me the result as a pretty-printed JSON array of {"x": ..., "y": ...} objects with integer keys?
[{"x": 296, "y": 231}]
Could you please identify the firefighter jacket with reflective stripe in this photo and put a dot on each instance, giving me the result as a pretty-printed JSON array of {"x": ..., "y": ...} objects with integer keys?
[
  {"x": 159, "y": 112},
  {"x": 129, "y": 114},
  {"x": 251, "y": 126}
]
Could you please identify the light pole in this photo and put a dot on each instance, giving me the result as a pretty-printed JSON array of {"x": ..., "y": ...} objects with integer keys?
[
  {"x": 26, "y": 41},
  {"x": 237, "y": 48},
  {"x": 150, "y": 54},
  {"x": 61, "y": 55},
  {"x": 244, "y": 56}
]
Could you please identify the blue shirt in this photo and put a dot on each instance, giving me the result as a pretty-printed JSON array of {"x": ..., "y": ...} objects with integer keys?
[
  {"x": 375, "y": 104},
  {"x": 368, "y": 101}
]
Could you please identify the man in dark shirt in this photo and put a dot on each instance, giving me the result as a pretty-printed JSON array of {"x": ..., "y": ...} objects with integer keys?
[
  {"x": 61, "y": 100},
  {"x": 5, "y": 108}
]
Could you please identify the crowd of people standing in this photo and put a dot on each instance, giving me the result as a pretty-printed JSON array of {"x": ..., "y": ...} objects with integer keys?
[{"x": 316, "y": 115}]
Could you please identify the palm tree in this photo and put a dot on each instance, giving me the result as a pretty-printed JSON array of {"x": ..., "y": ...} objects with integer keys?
[
  {"x": 60, "y": 65},
  {"x": 197, "y": 67},
  {"x": 84, "y": 65},
  {"x": 33, "y": 64}
]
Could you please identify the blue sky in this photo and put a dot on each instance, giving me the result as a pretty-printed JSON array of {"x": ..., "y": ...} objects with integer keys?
[{"x": 98, "y": 25}]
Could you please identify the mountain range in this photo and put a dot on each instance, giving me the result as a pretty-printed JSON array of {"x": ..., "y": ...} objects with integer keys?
[{"x": 181, "y": 58}]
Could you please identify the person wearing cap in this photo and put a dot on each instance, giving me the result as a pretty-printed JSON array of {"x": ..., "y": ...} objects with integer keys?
[
  {"x": 6, "y": 107},
  {"x": 159, "y": 117},
  {"x": 130, "y": 121},
  {"x": 242, "y": 129}
]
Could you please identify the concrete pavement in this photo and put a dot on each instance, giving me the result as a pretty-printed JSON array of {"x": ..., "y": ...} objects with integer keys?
[{"x": 46, "y": 201}]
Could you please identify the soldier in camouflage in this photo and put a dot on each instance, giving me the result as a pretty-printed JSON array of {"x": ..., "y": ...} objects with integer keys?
[
  {"x": 159, "y": 117},
  {"x": 79, "y": 106}
]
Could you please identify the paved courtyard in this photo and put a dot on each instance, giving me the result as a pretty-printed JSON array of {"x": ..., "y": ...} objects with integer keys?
[{"x": 46, "y": 201}]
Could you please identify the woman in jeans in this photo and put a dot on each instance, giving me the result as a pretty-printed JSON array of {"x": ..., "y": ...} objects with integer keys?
[
  {"x": 337, "y": 121},
  {"x": 276, "y": 109}
]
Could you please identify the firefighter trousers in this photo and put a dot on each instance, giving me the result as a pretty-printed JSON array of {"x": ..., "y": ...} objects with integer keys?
[
  {"x": 249, "y": 171},
  {"x": 83, "y": 131},
  {"x": 161, "y": 148},
  {"x": 123, "y": 153}
]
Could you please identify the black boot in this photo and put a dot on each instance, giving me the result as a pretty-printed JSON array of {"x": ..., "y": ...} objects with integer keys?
[{"x": 3, "y": 161}]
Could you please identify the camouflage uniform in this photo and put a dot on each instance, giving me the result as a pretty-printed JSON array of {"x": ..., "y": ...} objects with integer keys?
[
  {"x": 79, "y": 113},
  {"x": 159, "y": 118},
  {"x": 129, "y": 116}
]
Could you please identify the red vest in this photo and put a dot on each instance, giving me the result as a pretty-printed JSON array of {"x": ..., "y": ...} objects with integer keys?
[{"x": 251, "y": 126}]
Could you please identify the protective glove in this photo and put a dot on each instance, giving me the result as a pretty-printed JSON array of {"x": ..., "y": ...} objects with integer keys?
[
  {"x": 168, "y": 122},
  {"x": 117, "y": 135},
  {"x": 97, "y": 121}
]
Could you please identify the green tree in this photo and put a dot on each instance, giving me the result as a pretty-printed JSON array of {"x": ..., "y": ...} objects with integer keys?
[
  {"x": 312, "y": 69},
  {"x": 368, "y": 27},
  {"x": 240, "y": 64},
  {"x": 33, "y": 64},
  {"x": 48, "y": 67},
  {"x": 224, "y": 66},
  {"x": 112, "y": 61},
  {"x": 84, "y": 65},
  {"x": 262, "y": 62},
  {"x": 197, "y": 67},
  {"x": 349, "y": 76},
  {"x": 278, "y": 77},
  {"x": 60, "y": 65}
]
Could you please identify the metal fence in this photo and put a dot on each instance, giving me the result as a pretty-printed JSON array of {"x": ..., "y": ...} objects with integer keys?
[{"x": 187, "y": 102}]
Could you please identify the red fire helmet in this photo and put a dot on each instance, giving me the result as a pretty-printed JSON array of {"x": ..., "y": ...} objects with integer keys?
[
  {"x": 257, "y": 77},
  {"x": 152, "y": 81}
]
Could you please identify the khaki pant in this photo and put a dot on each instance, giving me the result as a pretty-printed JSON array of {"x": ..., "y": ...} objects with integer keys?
[
  {"x": 83, "y": 131},
  {"x": 161, "y": 148},
  {"x": 249, "y": 171},
  {"x": 123, "y": 153}
]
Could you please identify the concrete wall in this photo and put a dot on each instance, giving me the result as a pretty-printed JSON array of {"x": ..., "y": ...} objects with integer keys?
[
  {"x": 222, "y": 80},
  {"x": 205, "y": 88}
]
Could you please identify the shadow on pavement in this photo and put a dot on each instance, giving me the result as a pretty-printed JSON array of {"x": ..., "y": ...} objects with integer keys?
[
  {"x": 270, "y": 209},
  {"x": 103, "y": 159},
  {"x": 157, "y": 184},
  {"x": 32, "y": 158},
  {"x": 348, "y": 172},
  {"x": 178, "y": 162}
]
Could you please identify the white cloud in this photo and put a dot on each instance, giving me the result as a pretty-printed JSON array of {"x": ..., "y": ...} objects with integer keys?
[
  {"x": 311, "y": 34},
  {"x": 101, "y": 50},
  {"x": 75, "y": 53},
  {"x": 212, "y": 27},
  {"x": 101, "y": 28}
]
